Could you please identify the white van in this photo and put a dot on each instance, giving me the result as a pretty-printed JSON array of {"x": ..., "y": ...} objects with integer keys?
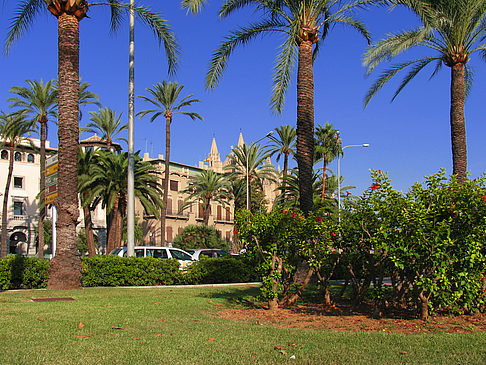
[{"x": 157, "y": 252}]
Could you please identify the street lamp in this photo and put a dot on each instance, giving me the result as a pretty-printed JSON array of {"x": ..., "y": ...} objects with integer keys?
[
  {"x": 247, "y": 167},
  {"x": 339, "y": 175}
]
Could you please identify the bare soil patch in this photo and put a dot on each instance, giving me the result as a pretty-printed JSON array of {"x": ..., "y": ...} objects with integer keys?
[{"x": 344, "y": 318}]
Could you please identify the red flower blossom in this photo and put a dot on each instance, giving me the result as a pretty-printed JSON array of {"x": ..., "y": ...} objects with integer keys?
[
  {"x": 235, "y": 231},
  {"x": 285, "y": 210},
  {"x": 484, "y": 198},
  {"x": 333, "y": 234},
  {"x": 374, "y": 186},
  {"x": 348, "y": 192},
  {"x": 319, "y": 220}
]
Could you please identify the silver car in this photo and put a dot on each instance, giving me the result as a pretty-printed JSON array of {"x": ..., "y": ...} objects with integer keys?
[{"x": 200, "y": 253}]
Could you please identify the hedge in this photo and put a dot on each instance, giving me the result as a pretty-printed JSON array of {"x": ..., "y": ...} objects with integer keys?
[
  {"x": 18, "y": 272},
  {"x": 23, "y": 272}
]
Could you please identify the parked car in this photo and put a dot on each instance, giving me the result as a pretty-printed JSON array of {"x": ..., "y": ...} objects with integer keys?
[
  {"x": 184, "y": 258},
  {"x": 200, "y": 253}
]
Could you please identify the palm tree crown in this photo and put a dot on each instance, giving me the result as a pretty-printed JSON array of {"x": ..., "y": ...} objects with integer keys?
[
  {"x": 207, "y": 187},
  {"x": 107, "y": 123},
  {"x": 453, "y": 30}
]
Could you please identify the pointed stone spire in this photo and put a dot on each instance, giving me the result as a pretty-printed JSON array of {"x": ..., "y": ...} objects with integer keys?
[
  {"x": 240, "y": 140},
  {"x": 214, "y": 148}
]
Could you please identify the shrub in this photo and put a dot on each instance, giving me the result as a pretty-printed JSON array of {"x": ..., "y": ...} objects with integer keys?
[
  {"x": 200, "y": 236},
  {"x": 129, "y": 271},
  {"x": 227, "y": 269},
  {"x": 18, "y": 272}
]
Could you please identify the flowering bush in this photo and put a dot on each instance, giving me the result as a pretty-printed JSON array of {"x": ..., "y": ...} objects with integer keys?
[
  {"x": 430, "y": 241},
  {"x": 280, "y": 239}
]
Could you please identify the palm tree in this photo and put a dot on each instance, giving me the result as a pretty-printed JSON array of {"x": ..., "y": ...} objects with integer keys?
[
  {"x": 107, "y": 123},
  {"x": 39, "y": 102},
  {"x": 65, "y": 268},
  {"x": 453, "y": 30},
  {"x": 108, "y": 181},
  {"x": 166, "y": 102},
  {"x": 304, "y": 24},
  {"x": 328, "y": 147},
  {"x": 207, "y": 187},
  {"x": 13, "y": 127},
  {"x": 247, "y": 164},
  {"x": 284, "y": 146}
]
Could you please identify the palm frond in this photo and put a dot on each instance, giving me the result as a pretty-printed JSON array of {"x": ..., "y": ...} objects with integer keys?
[
  {"x": 282, "y": 75},
  {"x": 419, "y": 65},
  {"x": 22, "y": 20},
  {"x": 393, "y": 45},
  {"x": 241, "y": 36}
]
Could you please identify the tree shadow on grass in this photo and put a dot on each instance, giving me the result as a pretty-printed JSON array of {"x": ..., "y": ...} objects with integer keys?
[{"x": 246, "y": 297}]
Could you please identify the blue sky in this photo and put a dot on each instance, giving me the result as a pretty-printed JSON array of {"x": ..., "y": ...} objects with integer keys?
[{"x": 409, "y": 138}]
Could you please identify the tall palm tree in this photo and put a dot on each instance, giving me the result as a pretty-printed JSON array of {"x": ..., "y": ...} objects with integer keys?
[
  {"x": 39, "y": 102},
  {"x": 167, "y": 101},
  {"x": 207, "y": 187},
  {"x": 328, "y": 147},
  {"x": 304, "y": 24},
  {"x": 283, "y": 145},
  {"x": 453, "y": 30},
  {"x": 13, "y": 127},
  {"x": 65, "y": 268},
  {"x": 108, "y": 181},
  {"x": 247, "y": 164},
  {"x": 107, "y": 123}
]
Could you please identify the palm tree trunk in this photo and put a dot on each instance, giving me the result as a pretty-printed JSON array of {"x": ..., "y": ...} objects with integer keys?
[
  {"x": 88, "y": 229},
  {"x": 207, "y": 211},
  {"x": 305, "y": 124},
  {"x": 4, "y": 250},
  {"x": 42, "y": 203},
  {"x": 113, "y": 227},
  {"x": 458, "y": 121},
  {"x": 166, "y": 180},
  {"x": 285, "y": 169},
  {"x": 324, "y": 175},
  {"x": 65, "y": 267}
]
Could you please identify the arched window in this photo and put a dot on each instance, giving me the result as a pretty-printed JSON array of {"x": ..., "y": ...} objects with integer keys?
[
  {"x": 4, "y": 155},
  {"x": 18, "y": 156},
  {"x": 30, "y": 158}
]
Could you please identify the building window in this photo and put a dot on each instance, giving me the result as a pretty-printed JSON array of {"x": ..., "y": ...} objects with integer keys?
[
  {"x": 18, "y": 156},
  {"x": 228, "y": 214},
  {"x": 88, "y": 149},
  {"x": 18, "y": 182},
  {"x": 174, "y": 186},
  {"x": 18, "y": 208},
  {"x": 30, "y": 158},
  {"x": 4, "y": 155},
  {"x": 169, "y": 206},
  {"x": 169, "y": 234},
  {"x": 219, "y": 212}
]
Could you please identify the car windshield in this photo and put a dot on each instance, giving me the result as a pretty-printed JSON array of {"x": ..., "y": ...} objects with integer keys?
[
  {"x": 116, "y": 251},
  {"x": 179, "y": 255},
  {"x": 191, "y": 251}
]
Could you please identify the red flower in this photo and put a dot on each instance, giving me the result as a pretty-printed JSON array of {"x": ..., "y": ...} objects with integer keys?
[
  {"x": 451, "y": 209},
  {"x": 285, "y": 210},
  {"x": 235, "y": 231},
  {"x": 333, "y": 234},
  {"x": 484, "y": 198},
  {"x": 348, "y": 192},
  {"x": 319, "y": 220},
  {"x": 374, "y": 186}
]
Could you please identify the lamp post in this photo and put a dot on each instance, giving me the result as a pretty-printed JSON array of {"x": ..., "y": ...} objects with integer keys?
[
  {"x": 131, "y": 128},
  {"x": 247, "y": 167},
  {"x": 339, "y": 175}
]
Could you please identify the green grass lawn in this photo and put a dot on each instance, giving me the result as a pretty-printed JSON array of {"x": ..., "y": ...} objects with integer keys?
[{"x": 179, "y": 326}]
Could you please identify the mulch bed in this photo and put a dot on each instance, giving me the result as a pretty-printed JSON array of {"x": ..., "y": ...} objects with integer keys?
[{"x": 345, "y": 318}]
